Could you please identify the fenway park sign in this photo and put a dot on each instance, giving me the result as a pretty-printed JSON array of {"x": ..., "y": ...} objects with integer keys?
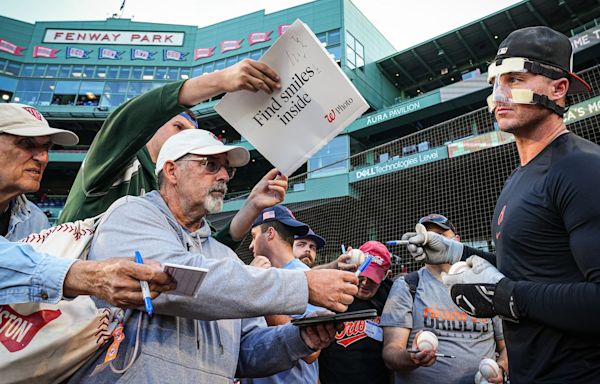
[{"x": 83, "y": 36}]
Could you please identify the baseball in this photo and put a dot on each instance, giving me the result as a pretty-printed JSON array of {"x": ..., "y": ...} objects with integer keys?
[
  {"x": 427, "y": 341},
  {"x": 489, "y": 368},
  {"x": 479, "y": 379},
  {"x": 356, "y": 256},
  {"x": 458, "y": 267}
]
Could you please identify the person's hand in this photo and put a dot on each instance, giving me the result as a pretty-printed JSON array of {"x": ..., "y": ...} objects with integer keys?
[
  {"x": 269, "y": 191},
  {"x": 344, "y": 264},
  {"x": 319, "y": 336},
  {"x": 249, "y": 75},
  {"x": 332, "y": 289},
  {"x": 474, "y": 290},
  {"x": 499, "y": 379},
  {"x": 116, "y": 281},
  {"x": 421, "y": 358},
  {"x": 437, "y": 250},
  {"x": 477, "y": 271},
  {"x": 260, "y": 262}
]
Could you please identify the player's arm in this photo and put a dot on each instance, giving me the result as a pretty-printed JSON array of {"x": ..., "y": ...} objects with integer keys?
[{"x": 564, "y": 306}]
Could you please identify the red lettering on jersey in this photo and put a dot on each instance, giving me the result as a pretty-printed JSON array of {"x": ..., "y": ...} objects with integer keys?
[{"x": 353, "y": 331}]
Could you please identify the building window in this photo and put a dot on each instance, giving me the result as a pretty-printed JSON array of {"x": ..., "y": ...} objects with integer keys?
[
  {"x": 27, "y": 70},
  {"x": 88, "y": 71},
  {"x": 13, "y": 68},
  {"x": 40, "y": 70},
  {"x": 355, "y": 52},
  {"x": 332, "y": 159},
  {"x": 333, "y": 37},
  {"x": 52, "y": 71},
  {"x": 125, "y": 73},
  {"x": 161, "y": 73},
  {"x": 65, "y": 71},
  {"x": 112, "y": 73}
]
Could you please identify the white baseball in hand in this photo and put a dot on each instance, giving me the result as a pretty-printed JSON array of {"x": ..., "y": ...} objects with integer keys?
[
  {"x": 489, "y": 368},
  {"x": 356, "y": 256},
  {"x": 427, "y": 341},
  {"x": 458, "y": 267}
]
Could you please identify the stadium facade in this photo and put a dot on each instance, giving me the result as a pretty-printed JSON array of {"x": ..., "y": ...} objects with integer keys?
[{"x": 427, "y": 144}]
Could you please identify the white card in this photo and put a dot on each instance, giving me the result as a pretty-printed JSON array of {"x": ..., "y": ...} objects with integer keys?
[
  {"x": 374, "y": 331},
  {"x": 188, "y": 278}
]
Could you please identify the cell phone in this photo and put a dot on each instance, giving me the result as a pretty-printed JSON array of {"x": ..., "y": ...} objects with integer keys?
[{"x": 336, "y": 318}]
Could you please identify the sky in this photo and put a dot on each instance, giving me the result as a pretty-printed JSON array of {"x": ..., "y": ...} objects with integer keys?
[{"x": 403, "y": 23}]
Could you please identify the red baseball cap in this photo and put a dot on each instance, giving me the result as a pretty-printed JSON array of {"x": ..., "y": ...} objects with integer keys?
[{"x": 381, "y": 262}]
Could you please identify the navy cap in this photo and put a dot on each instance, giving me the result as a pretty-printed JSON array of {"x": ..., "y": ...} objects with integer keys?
[
  {"x": 438, "y": 220},
  {"x": 311, "y": 235},
  {"x": 284, "y": 216}
]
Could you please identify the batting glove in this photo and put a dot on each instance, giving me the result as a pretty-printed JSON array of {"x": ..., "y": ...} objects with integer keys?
[
  {"x": 433, "y": 248},
  {"x": 482, "y": 291}
]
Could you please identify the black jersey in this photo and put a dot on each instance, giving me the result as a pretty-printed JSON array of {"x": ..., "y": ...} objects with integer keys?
[
  {"x": 546, "y": 226},
  {"x": 353, "y": 357}
]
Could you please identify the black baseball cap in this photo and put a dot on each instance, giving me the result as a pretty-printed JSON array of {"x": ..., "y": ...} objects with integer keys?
[
  {"x": 546, "y": 46},
  {"x": 311, "y": 235},
  {"x": 439, "y": 220},
  {"x": 282, "y": 214}
]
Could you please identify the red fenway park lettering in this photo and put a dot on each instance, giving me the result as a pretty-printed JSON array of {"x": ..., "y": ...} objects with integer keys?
[
  {"x": 17, "y": 331},
  {"x": 353, "y": 331}
]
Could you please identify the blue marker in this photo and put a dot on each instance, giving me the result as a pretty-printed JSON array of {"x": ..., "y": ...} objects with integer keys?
[
  {"x": 145, "y": 288},
  {"x": 364, "y": 265},
  {"x": 343, "y": 249},
  {"x": 398, "y": 242}
]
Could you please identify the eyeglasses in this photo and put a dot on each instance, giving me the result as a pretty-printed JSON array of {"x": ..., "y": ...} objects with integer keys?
[{"x": 213, "y": 166}]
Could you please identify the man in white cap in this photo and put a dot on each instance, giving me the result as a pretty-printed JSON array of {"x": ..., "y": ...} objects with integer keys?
[
  {"x": 25, "y": 139},
  {"x": 121, "y": 160},
  {"x": 25, "y": 275},
  {"x": 180, "y": 340}
]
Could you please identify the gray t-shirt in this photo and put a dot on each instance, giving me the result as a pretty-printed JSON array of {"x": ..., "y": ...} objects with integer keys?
[{"x": 469, "y": 339}]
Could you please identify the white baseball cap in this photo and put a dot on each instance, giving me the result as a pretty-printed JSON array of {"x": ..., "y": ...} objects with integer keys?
[
  {"x": 25, "y": 120},
  {"x": 199, "y": 142}
]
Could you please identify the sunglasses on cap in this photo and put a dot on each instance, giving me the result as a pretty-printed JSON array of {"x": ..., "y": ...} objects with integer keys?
[
  {"x": 437, "y": 219},
  {"x": 213, "y": 166}
]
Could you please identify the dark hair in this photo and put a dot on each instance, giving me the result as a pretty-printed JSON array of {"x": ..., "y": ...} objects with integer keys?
[{"x": 285, "y": 233}]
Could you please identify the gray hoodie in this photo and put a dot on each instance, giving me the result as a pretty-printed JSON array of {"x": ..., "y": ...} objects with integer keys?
[{"x": 173, "y": 346}]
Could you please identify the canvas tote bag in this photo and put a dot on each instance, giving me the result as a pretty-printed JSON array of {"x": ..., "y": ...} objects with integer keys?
[{"x": 46, "y": 343}]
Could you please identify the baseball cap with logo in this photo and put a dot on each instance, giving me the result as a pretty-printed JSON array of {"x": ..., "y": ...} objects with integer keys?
[
  {"x": 381, "y": 262},
  {"x": 282, "y": 214},
  {"x": 25, "y": 120},
  {"x": 546, "y": 46},
  {"x": 199, "y": 142},
  {"x": 311, "y": 235}
]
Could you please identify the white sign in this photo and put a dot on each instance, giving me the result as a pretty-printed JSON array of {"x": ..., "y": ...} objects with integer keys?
[
  {"x": 77, "y": 36},
  {"x": 315, "y": 103}
]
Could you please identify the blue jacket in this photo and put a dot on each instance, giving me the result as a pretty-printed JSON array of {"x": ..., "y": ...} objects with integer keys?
[{"x": 26, "y": 218}]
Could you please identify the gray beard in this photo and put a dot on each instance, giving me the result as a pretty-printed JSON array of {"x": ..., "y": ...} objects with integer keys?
[{"x": 214, "y": 204}]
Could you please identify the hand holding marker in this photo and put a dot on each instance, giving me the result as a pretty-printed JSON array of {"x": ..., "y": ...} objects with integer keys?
[{"x": 145, "y": 288}]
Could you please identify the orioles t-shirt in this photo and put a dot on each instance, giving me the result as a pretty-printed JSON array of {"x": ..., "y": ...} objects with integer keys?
[{"x": 355, "y": 357}]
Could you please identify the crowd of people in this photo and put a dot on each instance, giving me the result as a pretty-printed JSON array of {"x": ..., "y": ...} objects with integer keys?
[{"x": 151, "y": 177}]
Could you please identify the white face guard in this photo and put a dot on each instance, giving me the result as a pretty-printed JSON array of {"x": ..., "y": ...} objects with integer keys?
[{"x": 507, "y": 95}]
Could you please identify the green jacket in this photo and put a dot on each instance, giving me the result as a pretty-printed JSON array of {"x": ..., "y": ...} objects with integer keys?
[{"x": 118, "y": 163}]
